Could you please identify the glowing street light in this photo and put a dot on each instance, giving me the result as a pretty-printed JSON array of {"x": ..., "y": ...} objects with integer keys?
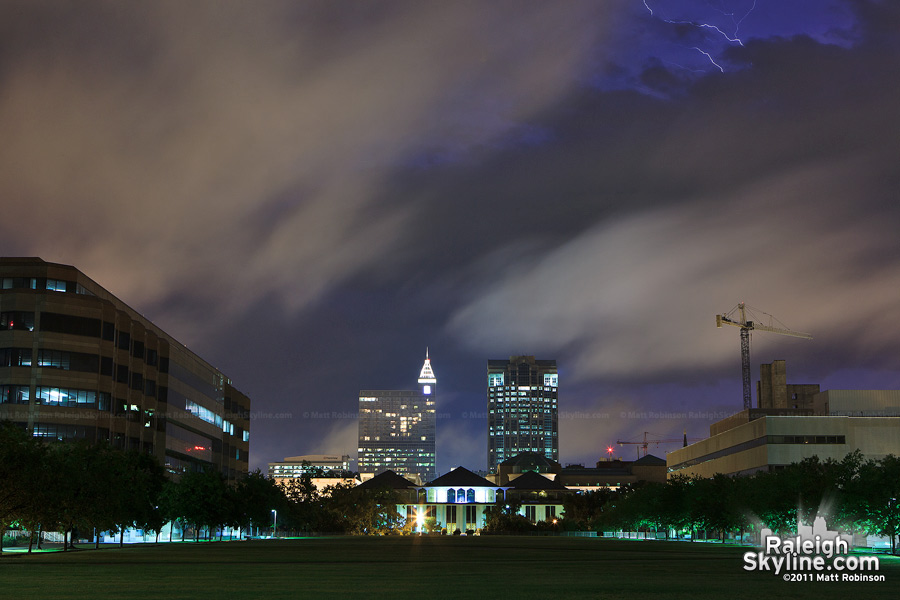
[{"x": 275, "y": 525}]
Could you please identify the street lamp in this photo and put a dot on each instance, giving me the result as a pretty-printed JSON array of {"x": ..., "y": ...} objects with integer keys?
[{"x": 275, "y": 526}]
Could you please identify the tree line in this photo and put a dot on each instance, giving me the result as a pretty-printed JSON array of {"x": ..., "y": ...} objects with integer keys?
[
  {"x": 83, "y": 490},
  {"x": 854, "y": 495}
]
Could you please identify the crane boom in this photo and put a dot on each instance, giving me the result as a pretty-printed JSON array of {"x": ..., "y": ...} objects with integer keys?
[
  {"x": 645, "y": 444},
  {"x": 737, "y": 317}
]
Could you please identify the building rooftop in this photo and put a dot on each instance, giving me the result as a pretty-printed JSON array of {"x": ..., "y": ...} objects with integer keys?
[
  {"x": 649, "y": 460},
  {"x": 531, "y": 461},
  {"x": 460, "y": 477},
  {"x": 389, "y": 480},
  {"x": 534, "y": 481}
]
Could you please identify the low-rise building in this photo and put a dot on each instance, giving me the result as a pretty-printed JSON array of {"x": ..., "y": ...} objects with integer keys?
[
  {"x": 459, "y": 500},
  {"x": 610, "y": 474},
  {"x": 835, "y": 423},
  {"x": 324, "y": 470},
  {"x": 613, "y": 474}
]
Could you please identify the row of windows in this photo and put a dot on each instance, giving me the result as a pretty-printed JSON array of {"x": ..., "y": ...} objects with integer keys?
[
  {"x": 208, "y": 387},
  {"x": 43, "y": 283},
  {"x": 209, "y": 416},
  {"x": 84, "y": 326},
  {"x": 551, "y": 381},
  {"x": 203, "y": 413},
  {"x": 17, "y": 321},
  {"x": 394, "y": 454},
  {"x": 189, "y": 443},
  {"x": 524, "y": 394},
  {"x": 179, "y": 466},
  {"x": 460, "y": 496},
  {"x": 14, "y": 394},
  {"x": 54, "y": 396},
  {"x": 807, "y": 439},
  {"x": 471, "y": 515},
  {"x": 63, "y": 432},
  {"x": 15, "y": 357},
  {"x": 236, "y": 408},
  {"x": 77, "y": 361},
  {"x": 531, "y": 513},
  {"x": 101, "y": 434},
  {"x": 761, "y": 441}
]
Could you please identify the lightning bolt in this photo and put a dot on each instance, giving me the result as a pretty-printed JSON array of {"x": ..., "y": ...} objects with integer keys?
[
  {"x": 684, "y": 68},
  {"x": 737, "y": 24},
  {"x": 708, "y": 26},
  {"x": 733, "y": 38},
  {"x": 709, "y": 56}
]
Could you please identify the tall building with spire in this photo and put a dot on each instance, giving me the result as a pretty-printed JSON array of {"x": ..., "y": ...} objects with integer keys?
[
  {"x": 523, "y": 415},
  {"x": 396, "y": 429}
]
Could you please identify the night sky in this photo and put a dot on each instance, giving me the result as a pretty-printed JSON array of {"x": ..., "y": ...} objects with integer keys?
[{"x": 309, "y": 194}]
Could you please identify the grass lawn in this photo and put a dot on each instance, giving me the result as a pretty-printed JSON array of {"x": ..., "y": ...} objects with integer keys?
[{"x": 422, "y": 567}]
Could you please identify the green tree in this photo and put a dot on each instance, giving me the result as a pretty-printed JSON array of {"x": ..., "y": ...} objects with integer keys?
[
  {"x": 585, "y": 510},
  {"x": 20, "y": 457},
  {"x": 876, "y": 494},
  {"x": 144, "y": 479},
  {"x": 255, "y": 496},
  {"x": 504, "y": 517},
  {"x": 717, "y": 504},
  {"x": 202, "y": 500},
  {"x": 368, "y": 512}
]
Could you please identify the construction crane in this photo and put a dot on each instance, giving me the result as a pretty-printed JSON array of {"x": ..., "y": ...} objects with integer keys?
[
  {"x": 737, "y": 317},
  {"x": 646, "y": 443}
]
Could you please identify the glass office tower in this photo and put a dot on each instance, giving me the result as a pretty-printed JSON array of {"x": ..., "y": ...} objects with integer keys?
[
  {"x": 396, "y": 429},
  {"x": 77, "y": 363},
  {"x": 522, "y": 396}
]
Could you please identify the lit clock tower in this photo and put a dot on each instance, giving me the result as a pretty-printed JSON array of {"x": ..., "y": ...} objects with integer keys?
[{"x": 427, "y": 381}]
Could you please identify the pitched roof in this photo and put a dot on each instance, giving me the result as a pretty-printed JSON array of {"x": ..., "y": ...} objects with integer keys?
[
  {"x": 649, "y": 460},
  {"x": 426, "y": 375},
  {"x": 460, "y": 477},
  {"x": 532, "y": 461},
  {"x": 389, "y": 480},
  {"x": 569, "y": 474},
  {"x": 535, "y": 481}
]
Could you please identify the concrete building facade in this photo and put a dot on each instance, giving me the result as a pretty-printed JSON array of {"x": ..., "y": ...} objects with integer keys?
[
  {"x": 839, "y": 422},
  {"x": 78, "y": 363},
  {"x": 773, "y": 390}
]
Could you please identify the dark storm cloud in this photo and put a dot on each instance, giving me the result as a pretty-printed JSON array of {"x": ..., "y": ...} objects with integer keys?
[
  {"x": 781, "y": 192},
  {"x": 231, "y": 151},
  {"x": 309, "y": 193}
]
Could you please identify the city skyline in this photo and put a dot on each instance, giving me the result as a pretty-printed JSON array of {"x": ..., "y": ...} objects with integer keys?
[{"x": 309, "y": 194}]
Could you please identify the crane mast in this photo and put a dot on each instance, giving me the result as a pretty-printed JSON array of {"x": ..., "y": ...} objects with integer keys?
[{"x": 737, "y": 317}]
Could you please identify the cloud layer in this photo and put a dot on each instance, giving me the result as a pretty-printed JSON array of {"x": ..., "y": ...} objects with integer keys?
[
  {"x": 310, "y": 193},
  {"x": 244, "y": 147}
]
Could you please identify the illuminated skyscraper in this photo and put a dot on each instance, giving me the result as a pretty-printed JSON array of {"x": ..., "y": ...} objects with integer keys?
[
  {"x": 522, "y": 408},
  {"x": 396, "y": 429}
]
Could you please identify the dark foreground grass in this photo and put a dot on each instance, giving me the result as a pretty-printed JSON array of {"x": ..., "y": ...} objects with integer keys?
[{"x": 420, "y": 567}]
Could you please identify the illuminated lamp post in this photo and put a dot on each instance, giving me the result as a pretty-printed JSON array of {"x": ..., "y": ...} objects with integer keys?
[{"x": 275, "y": 523}]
